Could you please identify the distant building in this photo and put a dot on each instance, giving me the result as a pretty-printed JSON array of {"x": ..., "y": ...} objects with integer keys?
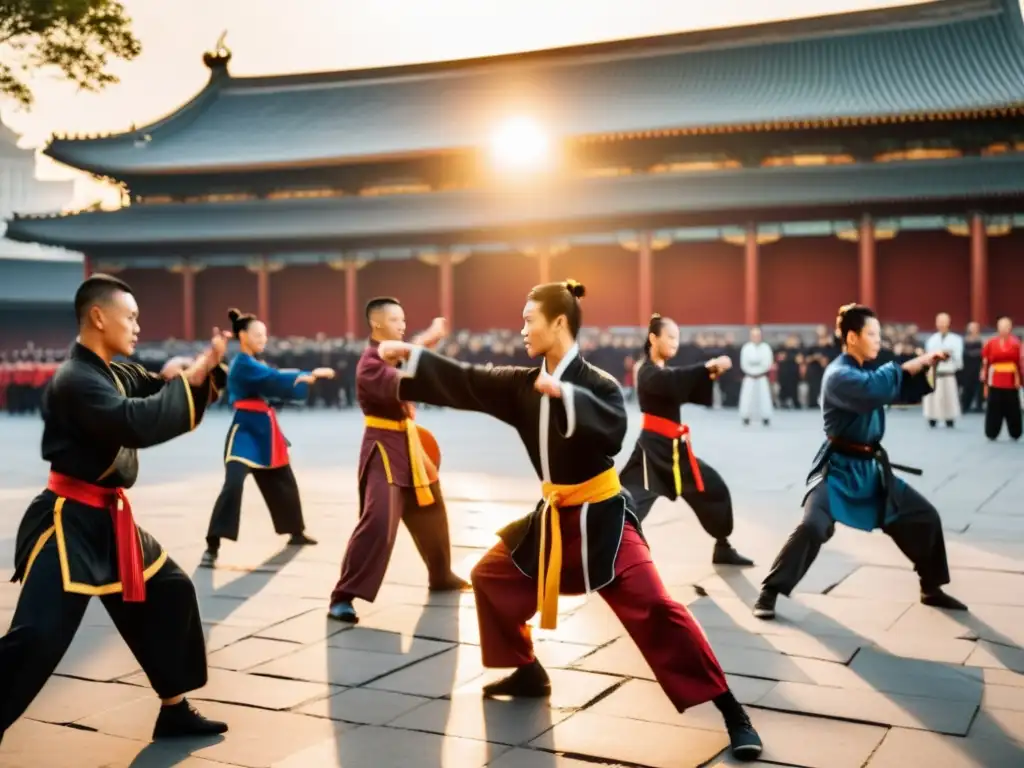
[
  {"x": 763, "y": 174},
  {"x": 37, "y": 283}
]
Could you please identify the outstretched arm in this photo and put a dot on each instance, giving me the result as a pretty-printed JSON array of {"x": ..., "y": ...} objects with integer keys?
[
  {"x": 430, "y": 378},
  {"x": 860, "y": 390},
  {"x": 692, "y": 384}
]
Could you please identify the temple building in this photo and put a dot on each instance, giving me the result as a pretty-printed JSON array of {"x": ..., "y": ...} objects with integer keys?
[
  {"x": 759, "y": 174},
  {"x": 36, "y": 282}
]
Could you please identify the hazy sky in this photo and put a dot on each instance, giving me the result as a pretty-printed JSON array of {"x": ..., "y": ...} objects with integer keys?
[{"x": 268, "y": 37}]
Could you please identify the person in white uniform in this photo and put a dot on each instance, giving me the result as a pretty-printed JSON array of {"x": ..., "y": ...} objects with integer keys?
[
  {"x": 756, "y": 360},
  {"x": 943, "y": 404}
]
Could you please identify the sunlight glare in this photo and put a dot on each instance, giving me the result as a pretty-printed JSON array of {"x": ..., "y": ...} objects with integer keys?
[{"x": 520, "y": 145}]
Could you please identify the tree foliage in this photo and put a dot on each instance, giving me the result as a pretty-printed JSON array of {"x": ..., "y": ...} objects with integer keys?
[{"x": 78, "y": 37}]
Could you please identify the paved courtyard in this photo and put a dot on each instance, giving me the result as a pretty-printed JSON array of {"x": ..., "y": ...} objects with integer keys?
[{"x": 855, "y": 672}]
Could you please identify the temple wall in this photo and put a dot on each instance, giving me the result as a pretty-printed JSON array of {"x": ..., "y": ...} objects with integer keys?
[
  {"x": 217, "y": 290},
  {"x": 698, "y": 283},
  {"x": 491, "y": 288},
  {"x": 802, "y": 280},
  {"x": 1006, "y": 276},
  {"x": 159, "y": 294}
]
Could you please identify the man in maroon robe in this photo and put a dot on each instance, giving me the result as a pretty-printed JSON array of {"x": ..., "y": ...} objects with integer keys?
[{"x": 397, "y": 479}]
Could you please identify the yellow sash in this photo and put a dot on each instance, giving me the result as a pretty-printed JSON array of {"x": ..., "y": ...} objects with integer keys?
[
  {"x": 1004, "y": 367},
  {"x": 420, "y": 479},
  {"x": 549, "y": 574}
]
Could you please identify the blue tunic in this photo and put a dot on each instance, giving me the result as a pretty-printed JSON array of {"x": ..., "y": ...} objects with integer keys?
[
  {"x": 853, "y": 399},
  {"x": 250, "y": 438}
]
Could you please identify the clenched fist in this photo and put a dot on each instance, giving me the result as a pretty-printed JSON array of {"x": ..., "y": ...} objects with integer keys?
[{"x": 547, "y": 384}]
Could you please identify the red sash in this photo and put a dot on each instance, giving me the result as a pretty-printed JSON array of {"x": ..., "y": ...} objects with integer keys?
[
  {"x": 278, "y": 445},
  {"x": 675, "y": 432},
  {"x": 126, "y": 535}
]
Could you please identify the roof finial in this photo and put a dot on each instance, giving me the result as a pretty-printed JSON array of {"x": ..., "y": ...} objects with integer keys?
[{"x": 217, "y": 59}]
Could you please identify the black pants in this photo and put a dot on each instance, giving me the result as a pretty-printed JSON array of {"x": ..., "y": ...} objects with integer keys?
[
  {"x": 713, "y": 505},
  {"x": 280, "y": 492},
  {"x": 970, "y": 391},
  {"x": 164, "y": 632},
  {"x": 917, "y": 531},
  {"x": 1003, "y": 405}
]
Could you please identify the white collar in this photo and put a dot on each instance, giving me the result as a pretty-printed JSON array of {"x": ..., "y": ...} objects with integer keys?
[{"x": 571, "y": 355}]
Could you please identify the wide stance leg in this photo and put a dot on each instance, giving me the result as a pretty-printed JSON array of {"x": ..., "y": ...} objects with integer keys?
[
  {"x": 798, "y": 553},
  {"x": 227, "y": 511},
  {"x": 44, "y": 624},
  {"x": 165, "y": 632},
  {"x": 669, "y": 638},
  {"x": 713, "y": 508},
  {"x": 1003, "y": 405},
  {"x": 428, "y": 527},
  {"x": 369, "y": 549},
  {"x": 281, "y": 493},
  {"x": 917, "y": 531},
  {"x": 505, "y": 600}
]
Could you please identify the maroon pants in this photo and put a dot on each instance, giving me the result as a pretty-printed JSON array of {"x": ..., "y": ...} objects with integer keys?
[
  {"x": 670, "y": 639},
  {"x": 382, "y": 507}
]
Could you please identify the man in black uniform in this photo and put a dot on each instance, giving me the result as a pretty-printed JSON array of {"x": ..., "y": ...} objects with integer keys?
[{"x": 78, "y": 538}]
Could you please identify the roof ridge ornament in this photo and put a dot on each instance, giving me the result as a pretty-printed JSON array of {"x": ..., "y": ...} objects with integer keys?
[{"x": 217, "y": 59}]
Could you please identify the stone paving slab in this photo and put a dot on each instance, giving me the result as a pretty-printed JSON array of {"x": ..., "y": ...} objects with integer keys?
[{"x": 854, "y": 672}]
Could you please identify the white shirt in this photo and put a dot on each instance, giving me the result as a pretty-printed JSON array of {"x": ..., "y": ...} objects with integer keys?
[
  {"x": 756, "y": 359},
  {"x": 950, "y": 342}
]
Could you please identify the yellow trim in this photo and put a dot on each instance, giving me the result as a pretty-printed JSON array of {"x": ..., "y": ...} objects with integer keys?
[
  {"x": 78, "y": 587},
  {"x": 1004, "y": 367},
  {"x": 387, "y": 463},
  {"x": 420, "y": 481},
  {"x": 241, "y": 460},
  {"x": 191, "y": 402},
  {"x": 677, "y": 475},
  {"x": 595, "y": 490},
  {"x": 40, "y": 542}
]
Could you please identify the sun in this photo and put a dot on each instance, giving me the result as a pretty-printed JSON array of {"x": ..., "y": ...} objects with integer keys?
[{"x": 520, "y": 144}]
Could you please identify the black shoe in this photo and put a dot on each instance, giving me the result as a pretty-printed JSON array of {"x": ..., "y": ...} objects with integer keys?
[
  {"x": 746, "y": 422},
  {"x": 527, "y": 682},
  {"x": 724, "y": 554},
  {"x": 950, "y": 423},
  {"x": 936, "y": 598},
  {"x": 764, "y": 608},
  {"x": 451, "y": 583},
  {"x": 301, "y": 540},
  {"x": 767, "y": 422},
  {"x": 744, "y": 742},
  {"x": 182, "y": 719},
  {"x": 932, "y": 423},
  {"x": 209, "y": 559}
]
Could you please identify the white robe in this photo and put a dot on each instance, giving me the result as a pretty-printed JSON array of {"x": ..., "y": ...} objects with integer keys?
[
  {"x": 756, "y": 394},
  {"x": 944, "y": 403}
]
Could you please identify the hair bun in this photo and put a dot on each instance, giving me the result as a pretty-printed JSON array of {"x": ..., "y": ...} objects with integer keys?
[
  {"x": 576, "y": 288},
  {"x": 233, "y": 314},
  {"x": 656, "y": 316},
  {"x": 846, "y": 308}
]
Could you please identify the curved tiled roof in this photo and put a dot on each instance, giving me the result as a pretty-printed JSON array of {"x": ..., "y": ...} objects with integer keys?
[
  {"x": 593, "y": 205},
  {"x": 950, "y": 66}
]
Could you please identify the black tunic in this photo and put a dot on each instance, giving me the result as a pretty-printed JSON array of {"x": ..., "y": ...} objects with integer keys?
[
  {"x": 95, "y": 418},
  {"x": 570, "y": 440},
  {"x": 661, "y": 392}
]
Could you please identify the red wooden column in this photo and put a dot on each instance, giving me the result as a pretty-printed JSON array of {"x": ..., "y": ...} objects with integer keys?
[
  {"x": 447, "y": 287},
  {"x": 263, "y": 290},
  {"x": 86, "y": 266},
  {"x": 751, "y": 278},
  {"x": 645, "y": 284},
  {"x": 188, "y": 302},
  {"x": 544, "y": 265},
  {"x": 351, "y": 291},
  {"x": 979, "y": 269},
  {"x": 867, "y": 261}
]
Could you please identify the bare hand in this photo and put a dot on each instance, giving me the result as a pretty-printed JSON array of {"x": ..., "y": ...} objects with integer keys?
[
  {"x": 323, "y": 373},
  {"x": 394, "y": 352},
  {"x": 219, "y": 344},
  {"x": 931, "y": 358},
  {"x": 719, "y": 364},
  {"x": 199, "y": 370},
  {"x": 548, "y": 385},
  {"x": 438, "y": 328}
]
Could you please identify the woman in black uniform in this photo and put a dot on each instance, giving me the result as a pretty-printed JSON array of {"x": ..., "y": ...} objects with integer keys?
[{"x": 663, "y": 463}]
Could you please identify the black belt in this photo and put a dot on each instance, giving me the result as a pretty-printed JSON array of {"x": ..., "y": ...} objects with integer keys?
[{"x": 878, "y": 453}]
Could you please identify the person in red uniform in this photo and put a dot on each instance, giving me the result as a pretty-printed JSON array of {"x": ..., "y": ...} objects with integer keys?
[
  {"x": 583, "y": 535},
  {"x": 397, "y": 479},
  {"x": 1001, "y": 374}
]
